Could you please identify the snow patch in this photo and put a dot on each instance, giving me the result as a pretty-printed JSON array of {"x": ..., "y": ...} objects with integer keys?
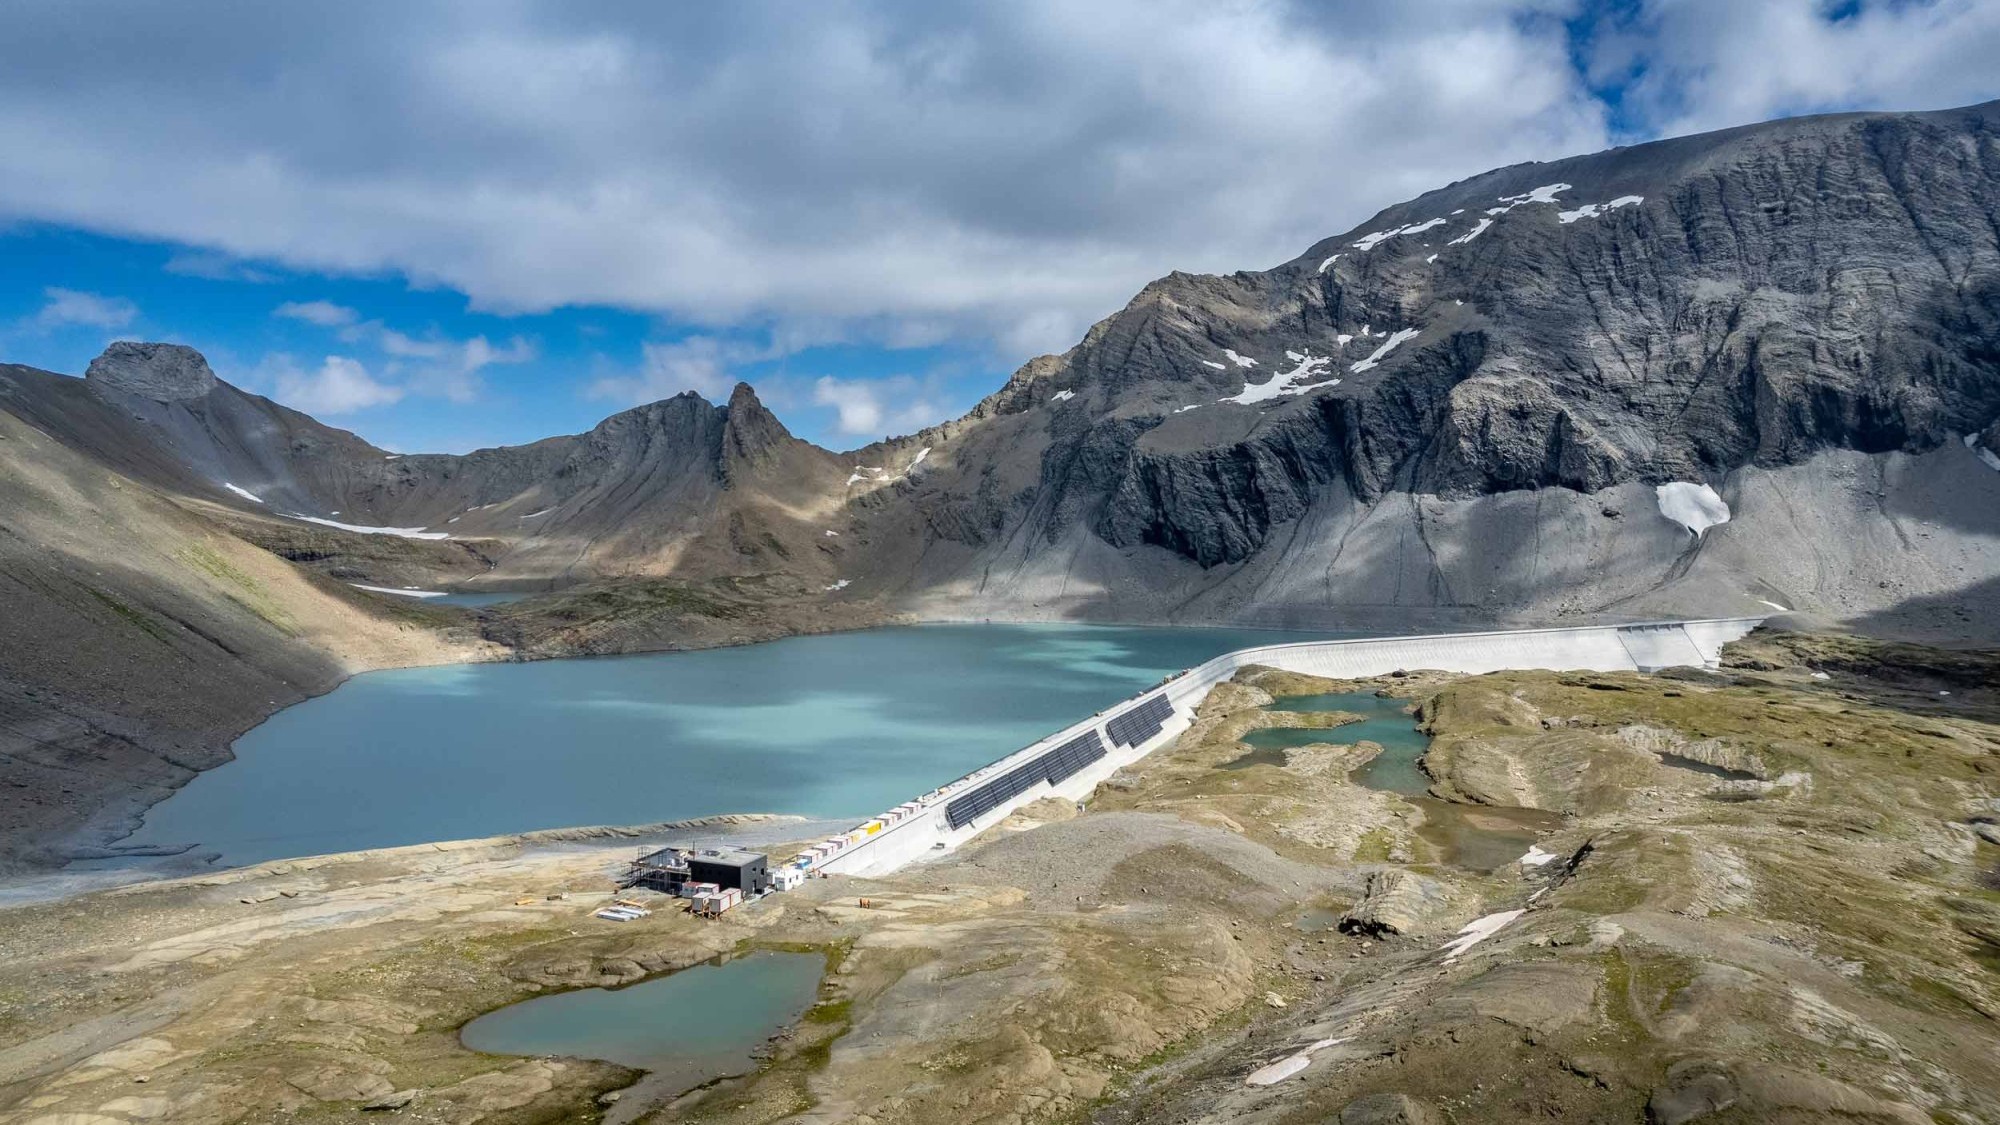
[
  {"x": 1371, "y": 241},
  {"x": 1693, "y": 506},
  {"x": 399, "y": 593},
  {"x": 1274, "y": 1073},
  {"x": 1343, "y": 339},
  {"x": 1324, "y": 266},
  {"x": 1185, "y": 409},
  {"x": 1478, "y": 229},
  {"x": 1536, "y": 856},
  {"x": 919, "y": 458},
  {"x": 400, "y": 532},
  {"x": 1593, "y": 210},
  {"x": 840, "y": 585},
  {"x": 1545, "y": 194},
  {"x": 1062, "y": 396},
  {"x": 244, "y": 493},
  {"x": 1375, "y": 357},
  {"x": 833, "y": 534},
  {"x": 1478, "y": 930},
  {"x": 543, "y": 512},
  {"x": 1775, "y": 605},
  {"x": 1288, "y": 382},
  {"x": 1212, "y": 363},
  {"x": 860, "y": 471},
  {"x": 1429, "y": 260},
  {"x": 1239, "y": 360}
]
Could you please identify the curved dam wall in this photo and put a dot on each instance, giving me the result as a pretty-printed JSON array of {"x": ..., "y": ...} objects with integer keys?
[{"x": 1071, "y": 762}]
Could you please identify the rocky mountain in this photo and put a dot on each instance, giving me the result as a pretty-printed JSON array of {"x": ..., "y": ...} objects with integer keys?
[
  {"x": 1724, "y": 373},
  {"x": 1468, "y": 404},
  {"x": 674, "y": 486}
]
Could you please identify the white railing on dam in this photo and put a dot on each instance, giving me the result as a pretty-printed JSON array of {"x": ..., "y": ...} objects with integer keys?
[{"x": 921, "y": 827}]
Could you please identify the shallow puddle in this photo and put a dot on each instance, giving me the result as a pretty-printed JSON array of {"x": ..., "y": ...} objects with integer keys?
[
  {"x": 1318, "y": 920},
  {"x": 684, "y": 1029},
  {"x": 1693, "y": 765},
  {"x": 1482, "y": 837}
]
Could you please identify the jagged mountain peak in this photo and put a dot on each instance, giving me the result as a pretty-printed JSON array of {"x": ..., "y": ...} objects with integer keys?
[{"x": 161, "y": 372}]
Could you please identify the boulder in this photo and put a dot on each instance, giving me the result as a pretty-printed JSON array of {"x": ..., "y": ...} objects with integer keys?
[
  {"x": 1397, "y": 902},
  {"x": 387, "y": 1102}
]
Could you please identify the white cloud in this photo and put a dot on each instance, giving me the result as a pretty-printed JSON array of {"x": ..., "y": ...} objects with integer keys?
[
  {"x": 699, "y": 363},
  {"x": 326, "y": 314},
  {"x": 71, "y": 308},
  {"x": 340, "y": 385},
  {"x": 898, "y": 172},
  {"x": 443, "y": 367},
  {"x": 216, "y": 267},
  {"x": 1009, "y": 172},
  {"x": 875, "y": 408},
  {"x": 1707, "y": 64}
]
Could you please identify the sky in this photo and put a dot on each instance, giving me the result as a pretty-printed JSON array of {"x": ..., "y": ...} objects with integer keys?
[{"x": 460, "y": 224}]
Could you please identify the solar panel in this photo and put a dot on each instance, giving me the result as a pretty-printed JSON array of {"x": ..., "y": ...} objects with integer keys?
[
  {"x": 1135, "y": 726},
  {"x": 1054, "y": 766}
]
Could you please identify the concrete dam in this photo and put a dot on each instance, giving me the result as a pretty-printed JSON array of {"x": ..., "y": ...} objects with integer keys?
[{"x": 1071, "y": 762}]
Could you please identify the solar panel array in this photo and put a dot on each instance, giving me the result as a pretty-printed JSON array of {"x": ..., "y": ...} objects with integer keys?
[
  {"x": 1052, "y": 767},
  {"x": 1141, "y": 722}
]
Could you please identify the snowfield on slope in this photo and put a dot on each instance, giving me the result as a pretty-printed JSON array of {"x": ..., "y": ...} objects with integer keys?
[
  {"x": 400, "y": 532},
  {"x": 1693, "y": 506}
]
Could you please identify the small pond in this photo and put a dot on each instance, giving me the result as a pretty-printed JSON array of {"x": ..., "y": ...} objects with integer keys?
[
  {"x": 1384, "y": 721},
  {"x": 1477, "y": 837},
  {"x": 684, "y": 1029},
  {"x": 1695, "y": 765},
  {"x": 473, "y": 600}
]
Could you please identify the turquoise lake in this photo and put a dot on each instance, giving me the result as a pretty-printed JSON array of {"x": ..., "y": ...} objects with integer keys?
[
  {"x": 700, "y": 1023},
  {"x": 842, "y": 725}
]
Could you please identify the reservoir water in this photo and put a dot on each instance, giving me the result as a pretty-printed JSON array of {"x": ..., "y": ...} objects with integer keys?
[
  {"x": 684, "y": 1029},
  {"x": 841, "y": 725}
]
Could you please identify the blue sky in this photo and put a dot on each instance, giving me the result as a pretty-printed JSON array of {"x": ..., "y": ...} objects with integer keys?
[
  {"x": 424, "y": 372},
  {"x": 461, "y": 224}
]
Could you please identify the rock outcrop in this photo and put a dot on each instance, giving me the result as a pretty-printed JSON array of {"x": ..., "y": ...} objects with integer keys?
[{"x": 161, "y": 372}]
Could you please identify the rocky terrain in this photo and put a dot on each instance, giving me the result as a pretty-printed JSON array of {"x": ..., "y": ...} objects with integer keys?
[{"x": 1807, "y": 928}]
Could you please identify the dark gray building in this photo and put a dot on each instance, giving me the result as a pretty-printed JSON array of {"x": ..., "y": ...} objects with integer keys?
[{"x": 747, "y": 871}]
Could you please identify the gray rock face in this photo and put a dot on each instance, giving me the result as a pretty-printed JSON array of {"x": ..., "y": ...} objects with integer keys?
[
  {"x": 1462, "y": 412},
  {"x": 161, "y": 372},
  {"x": 1766, "y": 294}
]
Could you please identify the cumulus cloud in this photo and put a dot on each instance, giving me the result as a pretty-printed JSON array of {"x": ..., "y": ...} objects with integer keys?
[
  {"x": 912, "y": 172},
  {"x": 876, "y": 408},
  {"x": 326, "y": 314},
  {"x": 340, "y": 385},
  {"x": 434, "y": 365},
  {"x": 71, "y": 308},
  {"x": 1011, "y": 171},
  {"x": 701, "y": 364},
  {"x": 1688, "y": 65}
]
